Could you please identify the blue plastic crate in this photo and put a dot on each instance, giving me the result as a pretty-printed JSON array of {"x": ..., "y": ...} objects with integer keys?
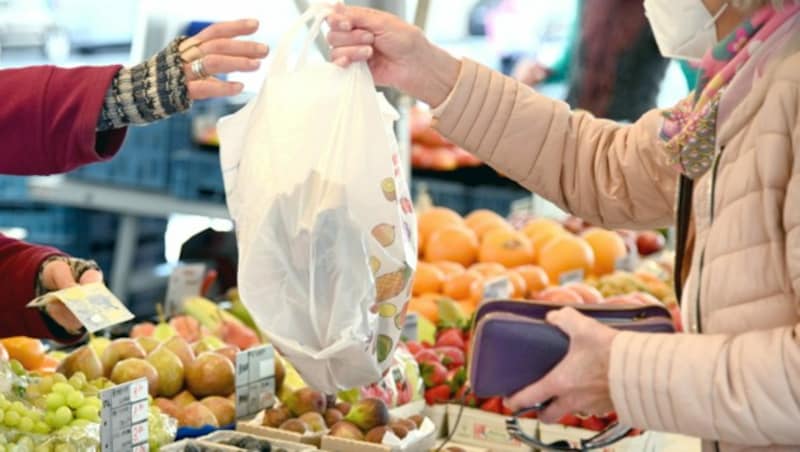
[
  {"x": 497, "y": 199},
  {"x": 452, "y": 195},
  {"x": 13, "y": 189},
  {"x": 196, "y": 174}
]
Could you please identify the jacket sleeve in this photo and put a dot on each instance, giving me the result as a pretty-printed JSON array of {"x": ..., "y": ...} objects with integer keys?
[
  {"x": 741, "y": 389},
  {"x": 48, "y": 119},
  {"x": 602, "y": 171},
  {"x": 19, "y": 268}
]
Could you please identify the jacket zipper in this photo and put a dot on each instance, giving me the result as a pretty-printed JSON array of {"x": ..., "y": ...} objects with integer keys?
[{"x": 711, "y": 209}]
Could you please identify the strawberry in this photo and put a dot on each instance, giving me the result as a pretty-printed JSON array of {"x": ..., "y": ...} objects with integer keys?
[
  {"x": 434, "y": 374},
  {"x": 456, "y": 378},
  {"x": 610, "y": 417},
  {"x": 493, "y": 405},
  {"x": 451, "y": 357},
  {"x": 450, "y": 337},
  {"x": 437, "y": 394},
  {"x": 507, "y": 411},
  {"x": 413, "y": 347},
  {"x": 593, "y": 423},
  {"x": 570, "y": 420},
  {"x": 531, "y": 415},
  {"x": 469, "y": 400},
  {"x": 427, "y": 356}
]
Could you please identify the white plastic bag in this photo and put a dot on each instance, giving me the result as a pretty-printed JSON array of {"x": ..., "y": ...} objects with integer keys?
[{"x": 325, "y": 226}]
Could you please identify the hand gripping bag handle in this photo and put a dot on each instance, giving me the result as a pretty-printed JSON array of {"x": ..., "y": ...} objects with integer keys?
[{"x": 316, "y": 14}]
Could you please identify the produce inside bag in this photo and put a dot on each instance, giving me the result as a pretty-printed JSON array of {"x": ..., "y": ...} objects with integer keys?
[{"x": 325, "y": 227}]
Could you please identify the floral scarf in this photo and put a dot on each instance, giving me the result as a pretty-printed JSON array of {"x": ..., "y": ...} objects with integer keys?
[{"x": 690, "y": 128}]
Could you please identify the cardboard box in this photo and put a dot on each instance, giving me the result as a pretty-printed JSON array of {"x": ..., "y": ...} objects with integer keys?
[
  {"x": 254, "y": 427},
  {"x": 421, "y": 444},
  {"x": 408, "y": 410},
  {"x": 463, "y": 447},
  {"x": 212, "y": 441},
  {"x": 647, "y": 441},
  {"x": 483, "y": 429},
  {"x": 437, "y": 414}
]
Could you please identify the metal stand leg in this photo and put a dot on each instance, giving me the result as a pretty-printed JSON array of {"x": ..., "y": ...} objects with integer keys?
[{"x": 124, "y": 253}]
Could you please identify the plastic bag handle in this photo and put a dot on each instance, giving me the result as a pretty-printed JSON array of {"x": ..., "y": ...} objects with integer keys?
[{"x": 317, "y": 12}]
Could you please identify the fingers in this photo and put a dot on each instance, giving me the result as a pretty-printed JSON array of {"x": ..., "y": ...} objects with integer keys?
[
  {"x": 539, "y": 392},
  {"x": 569, "y": 320},
  {"x": 343, "y": 56},
  {"x": 233, "y": 47},
  {"x": 219, "y": 30},
  {"x": 211, "y": 87},
  {"x": 350, "y": 38},
  {"x": 555, "y": 411},
  {"x": 63, "y": 316},
  {"x": 345, "y": 18},
  {"x": 221, "y": 64},
  {"x": 58, "y": 275},
  {"x": 91, "y": 276}
]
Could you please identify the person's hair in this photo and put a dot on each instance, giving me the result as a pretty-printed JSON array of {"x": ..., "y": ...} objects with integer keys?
[{"x": 752, "y": 5}]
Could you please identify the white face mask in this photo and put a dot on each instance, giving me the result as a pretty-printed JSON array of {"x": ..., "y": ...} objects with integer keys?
[{"x": 684, "y": 29}]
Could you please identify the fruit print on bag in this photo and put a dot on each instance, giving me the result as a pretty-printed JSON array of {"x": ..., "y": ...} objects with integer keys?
[
  {"x": 400, "y": 319},
  {"x": 390, "y": 285},
  {"x": 389, "y": 189},
  {"x": 385, "y": 345},
  {"x": 384, "y": 234}
]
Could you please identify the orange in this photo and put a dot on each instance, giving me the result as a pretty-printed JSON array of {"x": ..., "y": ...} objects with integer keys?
[
  {"x": 488, "y": 269},
  {"x": 427, "y": 279},
  {"x": 450, "y": 268},
  {"x": 518, "y": 283},
  {"x": 541, "y": 226},
  {"x": 433, "y": 219},
  {"x": 535, "y": 278},
  {"x": 566, "y": 253},
  {"x": 483, "y": 221},
  {"x": 508, "y": 248},
  {"x": 608, "y": 247},
  {"x": 452, "y": 243},
  {"x": 28, "y": 351},
  {"x": 458, "y": 287},
  {"x": 426, "y": 306},
  {"x": 476, "y": 291},
  {"x": 467, "y": 306}
]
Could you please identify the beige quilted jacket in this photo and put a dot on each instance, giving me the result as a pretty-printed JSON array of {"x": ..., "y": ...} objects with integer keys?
[{"x": 736, "y": 380}]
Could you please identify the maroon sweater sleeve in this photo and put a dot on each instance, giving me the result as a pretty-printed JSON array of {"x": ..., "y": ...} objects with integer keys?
[
  {"x": 48, "y": 119},
  {"x": 19, "y": 268}
]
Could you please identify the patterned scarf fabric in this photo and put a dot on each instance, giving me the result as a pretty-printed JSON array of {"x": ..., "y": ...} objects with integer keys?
[{"x": 690, "y": 128}]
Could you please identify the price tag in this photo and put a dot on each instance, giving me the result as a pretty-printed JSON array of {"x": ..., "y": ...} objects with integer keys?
[
  {"x": 573, "y": 276},
  {"x": 185, "y": 281},
  {"x": 497, "y": 289},
  {"x": 626, "y": 263},
  {"x": 123, "y": 418},
  {"x": 411, "y": 328},
  {"x": 93, "y": 304},
  {"x": 255, "y": 380}
]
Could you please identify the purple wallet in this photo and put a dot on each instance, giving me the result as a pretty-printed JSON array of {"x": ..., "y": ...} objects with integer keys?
[{"x": 512, "y": 345}]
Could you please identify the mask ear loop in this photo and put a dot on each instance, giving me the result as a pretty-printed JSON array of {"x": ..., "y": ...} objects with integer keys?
[{"x": 716, "y": 16}]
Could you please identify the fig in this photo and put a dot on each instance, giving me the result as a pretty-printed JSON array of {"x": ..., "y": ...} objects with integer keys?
[
  {"x": 295, "y": 425},
  {"x": 275, "y": 417},
  {"x": 368, "y": 413},
  {"x": 344, "y": 429},
  {"x": 343, "y": 408},
  {"x": 304, "y": 400},
  {"x": 332, "y": 416},
  {"x": 314, "y": 421},
  {"x": 417, "y": 419},
  {"x": 376, "y": 434}
]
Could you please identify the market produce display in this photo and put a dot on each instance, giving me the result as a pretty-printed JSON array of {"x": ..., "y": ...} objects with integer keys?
[
  {"x": 430, "y": 150},
  {"x": 309, "y": 412}
]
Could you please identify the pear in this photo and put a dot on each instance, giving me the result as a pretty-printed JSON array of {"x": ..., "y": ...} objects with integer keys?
[
  {"x": 163, "y": 331},
  {"x": 344, "y": 429},
  {"x": 148, "y": 343},
  {"x": 132, "y": 368},
  {"x": 207, "y": 344},
  {"x": 197, "y": 415},
  {"x": 223, "y": 409},
  {"x": 182, "y": 350},
  {"x": 210, "y": 374},
  {"x": 368, "y": 413},
  {"x": 85, "y": 360},
  {"x": 118, "y": 350},
  {"x": 167, "y": 407},
  {"x": 304, "y": 400},
  {"x": 170, "y": 371},
  {"x": 183, "y": 399},
  {"x": 99, "y": 344},
  {"x": 228, "y": 351}
]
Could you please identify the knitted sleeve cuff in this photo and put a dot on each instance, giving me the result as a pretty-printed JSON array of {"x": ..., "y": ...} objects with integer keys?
[{"x": 147, "y": 92}]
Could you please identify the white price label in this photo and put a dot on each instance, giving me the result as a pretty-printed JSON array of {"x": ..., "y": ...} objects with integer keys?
[
  {"x": 123, "y": 418},
  {"x": 255, "y": 380},
  {"x": 497, "y": 289},
  {"x": 569, "y": 277},
  {"x": 185, "y": 281}
]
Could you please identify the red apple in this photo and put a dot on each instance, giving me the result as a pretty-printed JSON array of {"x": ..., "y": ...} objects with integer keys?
[{"x": 649, "y": 242}]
